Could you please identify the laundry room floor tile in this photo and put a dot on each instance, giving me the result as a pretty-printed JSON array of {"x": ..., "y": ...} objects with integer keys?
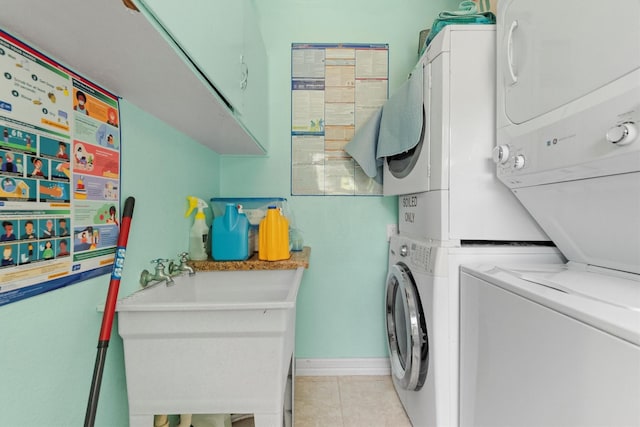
[
  {"x": 370, "y": 401},
  {"x": 317, "y": 402},
  {"x": 361, "y": 401},
  {"x": 345, "y": 401}
]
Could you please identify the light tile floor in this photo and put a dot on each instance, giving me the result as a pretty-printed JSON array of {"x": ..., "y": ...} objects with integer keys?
[{"x": 345, "y": 401}]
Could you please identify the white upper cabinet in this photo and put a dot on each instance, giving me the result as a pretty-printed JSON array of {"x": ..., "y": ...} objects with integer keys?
[
  {"x": 255, "y": 95},
  {"x": 128, "y": 53},
  {"x": 210, "y": 33},
  {"x": 222, "y": 40}
]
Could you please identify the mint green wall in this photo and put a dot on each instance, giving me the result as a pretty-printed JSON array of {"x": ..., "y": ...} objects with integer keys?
[
  {"x": 48, "y": 342},
  {"x": 340, "y": 304}
]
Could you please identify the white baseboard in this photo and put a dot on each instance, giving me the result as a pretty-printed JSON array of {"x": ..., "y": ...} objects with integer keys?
[{"x": 342, "y": 367}]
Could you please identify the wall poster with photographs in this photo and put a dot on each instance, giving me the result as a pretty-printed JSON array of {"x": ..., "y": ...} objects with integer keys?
[{"x": 59, "y": 174}]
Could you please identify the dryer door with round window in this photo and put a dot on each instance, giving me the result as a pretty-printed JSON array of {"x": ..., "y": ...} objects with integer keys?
[{"x": 406, "y": 329}]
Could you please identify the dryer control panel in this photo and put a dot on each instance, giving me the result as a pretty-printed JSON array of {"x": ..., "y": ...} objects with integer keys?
[{"x": 595, "y": 137}]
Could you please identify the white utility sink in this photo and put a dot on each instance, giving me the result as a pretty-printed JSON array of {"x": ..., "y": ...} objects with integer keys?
[{"x": 216, "y": 342}]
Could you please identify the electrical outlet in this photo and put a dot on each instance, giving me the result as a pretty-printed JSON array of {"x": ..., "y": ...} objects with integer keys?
[{"x": 392, "y": 230}]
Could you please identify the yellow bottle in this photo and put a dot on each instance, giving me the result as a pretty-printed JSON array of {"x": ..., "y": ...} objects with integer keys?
[{"x": 273, "y": 236}]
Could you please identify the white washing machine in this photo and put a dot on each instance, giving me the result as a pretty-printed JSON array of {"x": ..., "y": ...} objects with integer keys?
[
  {"x": 549, "y": 346},
  {"x": 422, "y": 319}
]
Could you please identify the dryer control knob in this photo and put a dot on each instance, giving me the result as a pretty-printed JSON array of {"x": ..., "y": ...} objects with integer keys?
[
  {"x": 622, "y": 134},
  {"x": 404, "y": 250},
  {"x": 500, "y": 153},
  {"x": 519, "y": 161}
]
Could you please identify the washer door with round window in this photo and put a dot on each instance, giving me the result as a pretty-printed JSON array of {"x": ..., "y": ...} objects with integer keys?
[{"x": 406, "y": 329}]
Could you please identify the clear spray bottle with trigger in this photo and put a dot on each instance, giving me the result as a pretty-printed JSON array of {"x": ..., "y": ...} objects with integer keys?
[{"x": 199, "y": 234}]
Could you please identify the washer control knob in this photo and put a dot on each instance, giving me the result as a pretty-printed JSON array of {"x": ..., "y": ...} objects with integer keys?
[
  {"x": 404, "y": 250},
  {"x": 518, "y": 161},
  {"x": 500, "y": 153},
  {"x": 622, "y": 134}
]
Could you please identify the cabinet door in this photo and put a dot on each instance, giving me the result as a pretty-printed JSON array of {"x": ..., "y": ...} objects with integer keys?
[
  {"x": 254, "y": 109},
  {"x": 210, "y": 33},
  {"x": 551, "y": 53}
]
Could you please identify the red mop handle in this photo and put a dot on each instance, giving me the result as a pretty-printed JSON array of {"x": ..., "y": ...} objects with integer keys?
[
  {"x": 116, "y": 274},
  {"x": 109, "y": 312}
]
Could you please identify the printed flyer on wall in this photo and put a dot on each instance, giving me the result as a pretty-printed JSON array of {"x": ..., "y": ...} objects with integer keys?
[
  {"x": 335, "y": 88},
  {"x": 59, "y": 174}
]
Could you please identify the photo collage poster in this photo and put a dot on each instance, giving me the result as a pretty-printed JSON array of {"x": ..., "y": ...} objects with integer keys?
[{"x": 59, "y": 174}]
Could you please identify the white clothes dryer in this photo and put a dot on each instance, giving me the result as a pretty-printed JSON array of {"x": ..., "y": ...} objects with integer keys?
[
  {"x": 555, "y": 345},
  {"x": 458, "y": 70},
  {"x": 422, "y": 299},
  {"x": 569, "y": 134},
  {"x": 448, "y": 185}
]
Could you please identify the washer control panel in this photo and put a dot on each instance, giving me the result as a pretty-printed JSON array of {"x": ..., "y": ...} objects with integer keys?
[{"x": 420, "y": 255}]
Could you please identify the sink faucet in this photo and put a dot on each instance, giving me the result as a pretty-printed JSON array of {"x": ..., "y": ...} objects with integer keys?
[
  {"x": 146, "y": 277},
  {"x": 178, "y": 269}
]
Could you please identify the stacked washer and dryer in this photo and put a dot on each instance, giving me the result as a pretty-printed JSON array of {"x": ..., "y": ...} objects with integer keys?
[
  {"x": 452, "y": 210},
  {"x": 559, "y": 345}
]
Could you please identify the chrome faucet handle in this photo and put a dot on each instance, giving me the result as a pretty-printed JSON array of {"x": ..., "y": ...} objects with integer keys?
[
  {"x": 159, "y": 262},
  {"x": 184, "y": 257}
]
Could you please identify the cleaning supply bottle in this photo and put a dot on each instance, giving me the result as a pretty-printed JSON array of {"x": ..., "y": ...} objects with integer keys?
[
  {"x": 199, "y": 234},
  {"x": 231, "y": 235},
  {"x": 273, "y": 236}
]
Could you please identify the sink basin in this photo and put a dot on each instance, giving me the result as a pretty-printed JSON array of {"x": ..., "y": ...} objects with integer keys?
[
  {"x": 219, "y": 290},
  {"x": 216, "y": 342}
]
